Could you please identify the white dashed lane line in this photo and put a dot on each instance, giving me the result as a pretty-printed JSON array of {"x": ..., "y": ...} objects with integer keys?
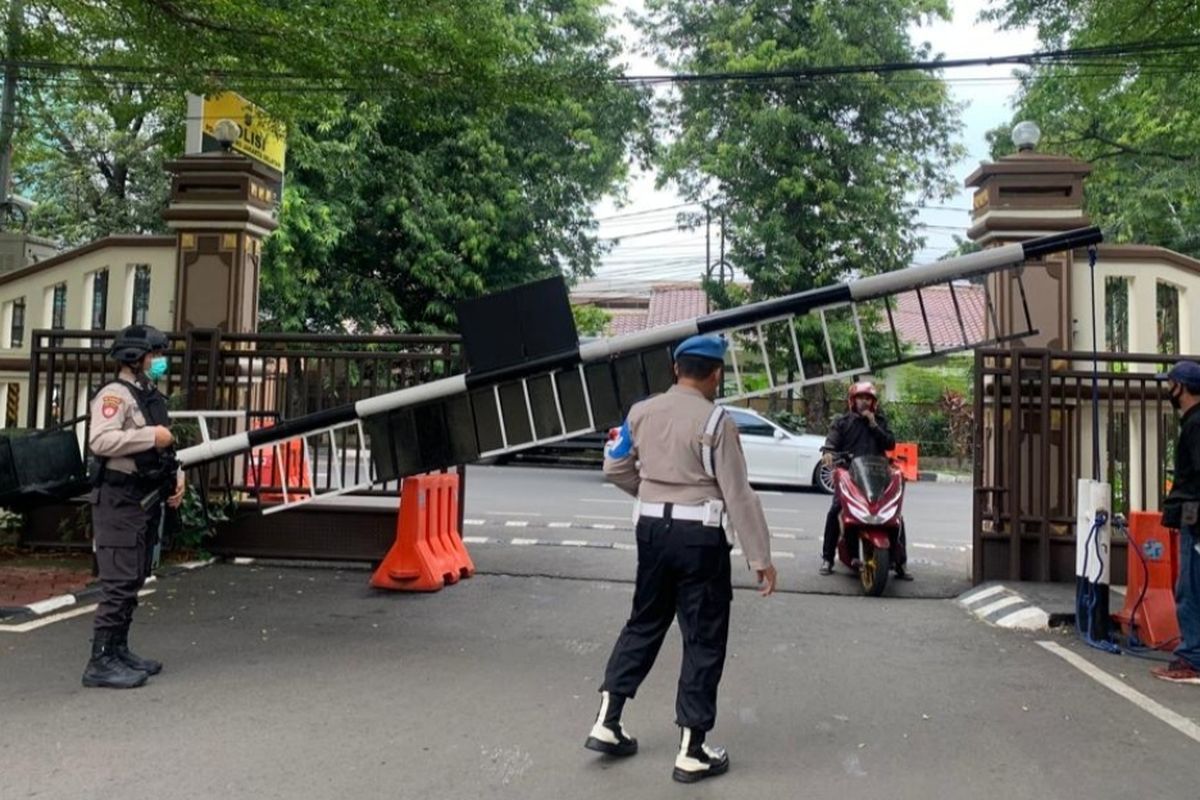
[
  {"x": 777, "y": 532},
  {"x": 579, "y": 543}
]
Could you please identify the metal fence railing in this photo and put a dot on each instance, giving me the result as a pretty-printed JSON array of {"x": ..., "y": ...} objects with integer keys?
[
  {"x": 265, "y": 377},
  {"x": 1044, "y": 419}
]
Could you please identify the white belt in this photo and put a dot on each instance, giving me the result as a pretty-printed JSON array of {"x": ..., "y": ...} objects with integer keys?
[{"x": 702, "y": 513}]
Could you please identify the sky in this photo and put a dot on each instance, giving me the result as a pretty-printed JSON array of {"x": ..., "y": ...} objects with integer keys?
[{"x": 985, "y": 92}]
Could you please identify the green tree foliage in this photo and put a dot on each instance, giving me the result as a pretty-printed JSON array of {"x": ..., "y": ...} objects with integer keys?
[
  {"x": 395, "y": 213},
  {"x": 102, "y": 84},
  {"x": 590, "y": 320},
  {"x": 817, "y": 177},
  {"x": 438, "y": 149},
  {"x": 1134, "y": 118}
]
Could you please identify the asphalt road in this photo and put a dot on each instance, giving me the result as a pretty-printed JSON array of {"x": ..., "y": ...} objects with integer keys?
[
  {"x": 303, "y": 683},
  {"x": 540, "y": 508}
]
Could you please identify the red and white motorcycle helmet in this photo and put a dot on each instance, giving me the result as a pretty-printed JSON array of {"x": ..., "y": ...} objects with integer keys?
[{"x": 860, "y": 389}]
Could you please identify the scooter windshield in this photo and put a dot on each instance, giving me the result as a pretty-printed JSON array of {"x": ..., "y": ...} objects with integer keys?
[{"x": 872, "y": 474}]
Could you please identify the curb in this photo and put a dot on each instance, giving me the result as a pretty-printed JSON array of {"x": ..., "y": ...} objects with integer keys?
[
  {"x": 942, "y": 477},
  {"x": 15, "y": 615},
  {"x": 998, "y": 605}
]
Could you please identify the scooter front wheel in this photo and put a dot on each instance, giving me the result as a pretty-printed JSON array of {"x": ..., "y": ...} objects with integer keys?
[{"x": 875, "y": 570}]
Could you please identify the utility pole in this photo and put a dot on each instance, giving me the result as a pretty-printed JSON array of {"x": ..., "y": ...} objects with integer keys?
[
  {"x": 707, "y": 256},
  {"x": 8, "y": 111}
]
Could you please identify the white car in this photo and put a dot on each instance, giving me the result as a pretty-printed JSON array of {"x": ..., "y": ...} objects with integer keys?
[{"x": 775, "y": 455}]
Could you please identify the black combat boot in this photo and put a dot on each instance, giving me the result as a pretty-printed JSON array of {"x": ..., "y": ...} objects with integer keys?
[
  {"x": 696, "y": 760},
  {"x": 120, "y": 644},
  {"x": 105, "y": 669},
  {"x": 608, "y": 734}
]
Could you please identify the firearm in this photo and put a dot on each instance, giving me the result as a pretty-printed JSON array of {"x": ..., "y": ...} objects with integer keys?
[{"x": 164, "y": 479}]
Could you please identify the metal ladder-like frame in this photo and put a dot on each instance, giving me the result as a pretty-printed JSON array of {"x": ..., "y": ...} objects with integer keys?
[
  {"x": 291, "y": 496},
  {"x": 558, "y": 405},
  {"x": 755, "y": 338}
]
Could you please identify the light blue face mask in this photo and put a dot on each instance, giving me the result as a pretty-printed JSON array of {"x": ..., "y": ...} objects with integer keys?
[{"x": 158, "y": 368}]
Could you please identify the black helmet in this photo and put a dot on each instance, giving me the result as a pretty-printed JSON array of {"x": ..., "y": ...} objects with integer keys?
[{"x": 135, "y": 341}]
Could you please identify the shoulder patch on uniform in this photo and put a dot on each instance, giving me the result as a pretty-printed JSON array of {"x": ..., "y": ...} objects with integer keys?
[
  {"x": 110, "y": 405},
  {"x": 622, "y": 446}
]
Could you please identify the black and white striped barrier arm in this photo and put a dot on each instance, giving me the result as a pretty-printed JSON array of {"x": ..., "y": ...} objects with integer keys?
[{"x": 855, "y": 291}]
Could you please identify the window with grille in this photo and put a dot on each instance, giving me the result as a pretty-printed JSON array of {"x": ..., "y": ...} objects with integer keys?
[
  {"x": 17, "y": 331},
  {"x": 141, "y": 294},
  {"x": 100, "y": 300},
  {"x": 58, "y": 309}
]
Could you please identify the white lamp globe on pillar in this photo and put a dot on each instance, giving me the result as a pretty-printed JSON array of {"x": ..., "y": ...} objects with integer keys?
[
  {"x": 1025, "y": 135},
  {"x": 226, "y": 132}
]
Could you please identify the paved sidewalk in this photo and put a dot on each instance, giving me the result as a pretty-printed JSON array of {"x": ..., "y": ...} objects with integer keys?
[{"x": 22, "y": 586}]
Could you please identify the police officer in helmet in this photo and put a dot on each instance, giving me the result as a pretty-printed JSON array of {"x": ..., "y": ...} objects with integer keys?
[
  {"x": 135, "y": 475},
  {"x": 680, "y": 456}
]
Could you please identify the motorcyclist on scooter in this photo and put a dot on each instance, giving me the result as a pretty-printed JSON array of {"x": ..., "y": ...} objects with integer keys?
[{"x": 861, "y": 431}]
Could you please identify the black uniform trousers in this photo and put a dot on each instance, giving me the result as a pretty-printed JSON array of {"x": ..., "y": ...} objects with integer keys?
[
  {"x": 683, "y": 572},
  {"x": 125, "y": 536}
]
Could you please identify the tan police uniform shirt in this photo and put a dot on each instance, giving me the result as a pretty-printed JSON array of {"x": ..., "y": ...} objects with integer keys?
[
  {"x": 118, "y": 428},
  {"x": 666, "y": 465}
]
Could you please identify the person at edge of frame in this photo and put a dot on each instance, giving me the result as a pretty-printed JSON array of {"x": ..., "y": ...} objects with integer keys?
[{"x": 1181, "y": 511}]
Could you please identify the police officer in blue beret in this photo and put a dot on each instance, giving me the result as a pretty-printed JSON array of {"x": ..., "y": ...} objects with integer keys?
[{"x": 679, "y": 454}]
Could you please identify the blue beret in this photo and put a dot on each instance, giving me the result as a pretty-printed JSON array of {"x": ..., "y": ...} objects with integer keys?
[
  {"x": 1186, "y": 373},
  {"x": 709, "y": 346}
]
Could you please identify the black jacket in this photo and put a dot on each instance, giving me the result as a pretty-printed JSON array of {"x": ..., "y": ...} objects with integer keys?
[
  {"x": 1187, "y": 469},
  {"x": 851, "y": 433}
]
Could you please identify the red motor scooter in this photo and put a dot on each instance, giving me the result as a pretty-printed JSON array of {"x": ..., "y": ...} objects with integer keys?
[{"x": 870, "y": 491}]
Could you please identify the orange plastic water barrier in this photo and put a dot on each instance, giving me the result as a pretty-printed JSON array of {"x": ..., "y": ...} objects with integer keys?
[
  {"x": 905, "y": 455},
  {"x": 264, "y": 474},
  {"x": 428, "y": 552},
  {"x": 1153, "y": 566}
]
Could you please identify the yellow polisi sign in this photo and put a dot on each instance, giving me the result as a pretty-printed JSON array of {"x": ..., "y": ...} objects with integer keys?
[{"x": 262, "y": 139}]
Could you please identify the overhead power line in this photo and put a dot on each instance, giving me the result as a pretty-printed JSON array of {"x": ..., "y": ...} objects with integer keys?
[{"x": 1114, "y": 57}]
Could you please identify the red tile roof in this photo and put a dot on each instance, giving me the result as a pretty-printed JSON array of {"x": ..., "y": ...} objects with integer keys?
[
  {"x": 665, "y": 304},
  {"x": 675, "y": 303},
  {"x": 624, "y": 322},
  {"x": 943, "y": 320}
]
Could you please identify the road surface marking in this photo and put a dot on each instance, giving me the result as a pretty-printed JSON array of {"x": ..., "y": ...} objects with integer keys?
[
  {"x": 1032, "y": 618},
  {"x": 993, "y": 607},
  {"x": 982, "y": 594},
  {"x": 1177, "y": 721}
]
